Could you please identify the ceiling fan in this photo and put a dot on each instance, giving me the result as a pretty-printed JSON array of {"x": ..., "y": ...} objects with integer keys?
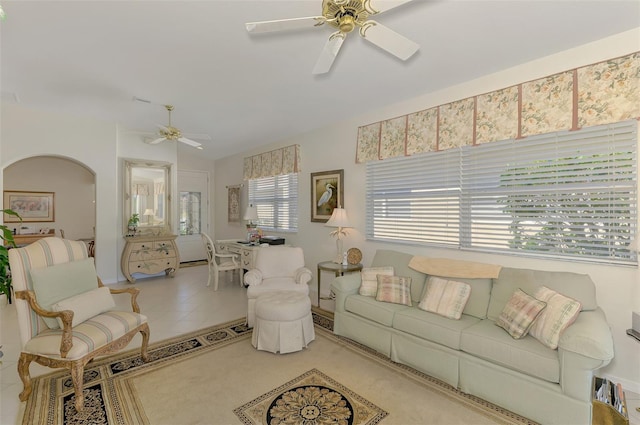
[
  {"x": 171, "y": 133},
  {"x": 346, "y": 15}
]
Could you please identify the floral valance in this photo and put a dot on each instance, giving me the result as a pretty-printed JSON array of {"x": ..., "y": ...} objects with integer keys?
[
  {"x": 601, "y": 93},
  {"x": 273, "y": 163}
]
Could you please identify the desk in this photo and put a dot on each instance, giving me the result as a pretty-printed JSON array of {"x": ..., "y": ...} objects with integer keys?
[
  {"x": 247, "y": 253},
  {"x": 338, "y": 269}
]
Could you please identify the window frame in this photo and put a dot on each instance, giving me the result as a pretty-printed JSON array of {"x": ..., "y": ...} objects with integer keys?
[{"x": 276, "y": 199}]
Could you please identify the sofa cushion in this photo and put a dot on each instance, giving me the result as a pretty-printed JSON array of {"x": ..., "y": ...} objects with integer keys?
[
  {"x": 445, "y": 297},
  {"x": 489, "y": 342},
  {"x": 369, "y": 276},
  {"x": 371, "y": 309},
  {"x": 400, "y": 263},
  {"x": 577, "y": 286},
  {"x": 519, "y": 313},
  {"x": 561, "y": 312},
  {"x": 394, "y": 289},
  {"x": 55, "y": 283},
  {"x": 432, "y": 327}
]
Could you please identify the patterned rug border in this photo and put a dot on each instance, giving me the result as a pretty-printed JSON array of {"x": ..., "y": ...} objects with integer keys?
[{"x": 201, "y": 341}]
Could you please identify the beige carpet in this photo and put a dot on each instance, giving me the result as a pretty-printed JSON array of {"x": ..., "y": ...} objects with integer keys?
[{"x": 215, "y": 376}]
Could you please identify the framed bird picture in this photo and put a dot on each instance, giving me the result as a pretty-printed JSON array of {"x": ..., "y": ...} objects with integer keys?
[{"x": 327, "y": 193}]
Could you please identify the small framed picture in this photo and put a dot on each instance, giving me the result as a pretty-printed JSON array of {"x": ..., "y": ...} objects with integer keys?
[
  {"x": 327, "y": 193},
  {"x": 32, "y": 206}
]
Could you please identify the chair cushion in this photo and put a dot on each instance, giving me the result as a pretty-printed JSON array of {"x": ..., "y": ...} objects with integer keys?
[
  {"x": 276, "y": 284},
  {"x": 87, "y": 336},
  {"x": 445, "y": 297},
  {"x": 86, "y": 305},
  {"x": 58, "y": 282}
]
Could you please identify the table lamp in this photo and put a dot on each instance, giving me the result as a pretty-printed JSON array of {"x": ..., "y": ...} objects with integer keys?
[
  {"x": 340, "y": 220},
  {"x": 148, "y": 213}
]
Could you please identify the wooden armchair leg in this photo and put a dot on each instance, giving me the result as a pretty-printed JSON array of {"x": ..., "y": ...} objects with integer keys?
[
  {"x": 145, "y": 343},
  {"x": 25, "y": 376},
  {"x": 77, "y": 376}
]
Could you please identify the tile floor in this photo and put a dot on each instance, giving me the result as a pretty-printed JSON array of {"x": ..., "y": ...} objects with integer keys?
[{"x": 173, "y": 307}]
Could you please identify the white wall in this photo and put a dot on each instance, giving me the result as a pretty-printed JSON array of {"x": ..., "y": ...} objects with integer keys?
[
  {"x": 99, "y": 146},
  {"x": 334, "y": 148}
]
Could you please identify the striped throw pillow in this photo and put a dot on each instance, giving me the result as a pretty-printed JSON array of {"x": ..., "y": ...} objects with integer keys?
[
  {"x": 394, "y": 289},
  {"x": 369, "y": 276},
  {"x": 519, "y": 314},
  {"x": 445, "y": 297},
  {"x": 561, "y": 312}
]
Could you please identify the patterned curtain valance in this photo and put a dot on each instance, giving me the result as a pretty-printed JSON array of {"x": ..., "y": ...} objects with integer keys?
[
  {"x": 602, "y": 93},
  {"x": 274, "y": 163}
]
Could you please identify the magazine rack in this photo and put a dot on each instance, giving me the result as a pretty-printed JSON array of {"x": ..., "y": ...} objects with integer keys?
[{"x": 609, "y": 403}]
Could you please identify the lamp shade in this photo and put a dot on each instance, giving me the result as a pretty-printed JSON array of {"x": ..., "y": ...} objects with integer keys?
[
  {"x": 148, "y": 211},
  {"x": 339, "y": 218},
  {"x": 251, "y": 213}
]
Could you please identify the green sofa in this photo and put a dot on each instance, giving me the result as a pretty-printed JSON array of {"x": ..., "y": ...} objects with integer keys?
[{"x": 478, "y": 357}]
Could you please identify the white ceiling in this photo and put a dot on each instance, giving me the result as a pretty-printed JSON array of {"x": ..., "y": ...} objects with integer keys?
[{"x": 90, "y": 58}]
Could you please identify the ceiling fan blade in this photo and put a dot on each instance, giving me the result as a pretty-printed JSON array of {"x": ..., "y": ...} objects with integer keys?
[
  {"x": 190, "y": 142},
  {"x": 284, "y": 24},
  {"x": 162, "y": 127},
  {"x": 158, "y": 140},
  {"x": 380, "y": 6},
  {"x": 329, "y": 53},
  {"x": 388, "y": 40}
]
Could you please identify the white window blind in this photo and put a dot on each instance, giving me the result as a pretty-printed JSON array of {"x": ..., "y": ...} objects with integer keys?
[
  {"x": 569, "y": 194},
  {"x": 276, "y": 199}
]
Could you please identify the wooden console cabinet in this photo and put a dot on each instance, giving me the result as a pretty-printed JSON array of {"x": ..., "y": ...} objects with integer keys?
[{"x": 150, "y": 255}]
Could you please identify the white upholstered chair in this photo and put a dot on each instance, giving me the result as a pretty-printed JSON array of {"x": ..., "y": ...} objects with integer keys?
[
  {"x": 218, "y": 262},
  {"x": 66, "y": 316},
  {"x": 277, "y": 268}
]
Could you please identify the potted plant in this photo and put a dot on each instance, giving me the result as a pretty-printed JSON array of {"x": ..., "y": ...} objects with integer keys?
[
  {"x": 132, "y": 224},
  {"x": 7, "y": 237}
]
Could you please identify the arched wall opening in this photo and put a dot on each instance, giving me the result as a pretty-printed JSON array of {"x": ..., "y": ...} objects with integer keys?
[{"x": 73, "y": 185}]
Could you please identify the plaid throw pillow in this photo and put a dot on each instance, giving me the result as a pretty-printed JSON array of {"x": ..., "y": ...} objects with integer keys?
[
  {"x": 445, "y": 297},
  {"x": 561, "y": 312},
  {"x": 369, "y": 276},
  {"x": 394, "y": 289},
  {"x": 518, "y": 315}
]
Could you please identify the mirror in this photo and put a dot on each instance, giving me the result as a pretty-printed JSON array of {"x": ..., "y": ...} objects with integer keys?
[{"x": 147, "y": 192}]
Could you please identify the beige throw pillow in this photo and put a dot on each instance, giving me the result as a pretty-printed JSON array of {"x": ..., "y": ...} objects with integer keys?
[
  {"x": 86, "y": 305},
  {"x": 561, "y": 312},
  {"x": 519, "y": 314},
  {"x": 445, "y": 297},
  {"x": 394, "y": 289},
  {"x": 369, "y": 276}
]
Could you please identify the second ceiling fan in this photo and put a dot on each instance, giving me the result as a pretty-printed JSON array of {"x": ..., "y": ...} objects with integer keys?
[
  {"x": 169, "y": 132},
  {"x": 346, "y": 15}
]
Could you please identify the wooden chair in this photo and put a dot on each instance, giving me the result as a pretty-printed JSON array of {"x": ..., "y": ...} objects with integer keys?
[
  {"x": 65, "y": 314},
  {"x": 218, "y": 262}
]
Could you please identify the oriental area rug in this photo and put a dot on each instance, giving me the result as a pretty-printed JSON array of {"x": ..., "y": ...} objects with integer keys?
[{"x": 215, "y": 376}]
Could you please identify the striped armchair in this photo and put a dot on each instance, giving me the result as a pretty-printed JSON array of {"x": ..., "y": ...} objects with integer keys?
[{"x": 65, "y": 315}]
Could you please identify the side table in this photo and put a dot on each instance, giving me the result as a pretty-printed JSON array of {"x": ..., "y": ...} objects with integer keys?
[{"x": 338, "y": 269}]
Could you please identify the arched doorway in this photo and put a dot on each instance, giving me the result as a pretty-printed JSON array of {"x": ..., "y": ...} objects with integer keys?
[{"x": 74, "y": 194}]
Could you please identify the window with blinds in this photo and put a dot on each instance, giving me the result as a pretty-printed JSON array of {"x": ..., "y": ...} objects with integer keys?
[
  {"x": 569, "y": 194},
  {"x": 276, "y": 199}
]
